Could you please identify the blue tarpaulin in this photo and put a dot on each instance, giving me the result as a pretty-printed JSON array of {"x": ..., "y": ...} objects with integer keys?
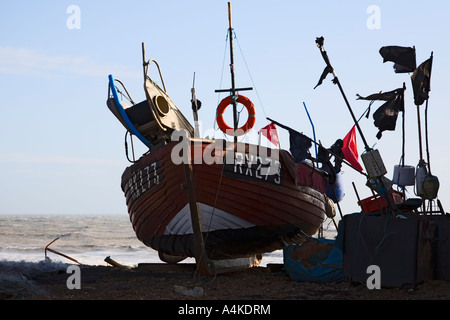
[{"x": 317, "y": 260}]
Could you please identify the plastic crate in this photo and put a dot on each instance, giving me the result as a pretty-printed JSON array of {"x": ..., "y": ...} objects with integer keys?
[{"x": 377, "y": 202}]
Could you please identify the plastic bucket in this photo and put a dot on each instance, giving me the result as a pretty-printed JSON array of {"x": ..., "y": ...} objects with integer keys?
[{"x": 404, "y": 176}]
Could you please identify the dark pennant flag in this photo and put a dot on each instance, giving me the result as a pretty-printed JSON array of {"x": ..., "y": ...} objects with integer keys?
[
  {"x": 325, "y": 72},
  {"x": 299, "y": 143},
  {"x": 404, "y": 58},
  {"x": 385, "y": 96},
  {"x": 385, "y": 118},
  {"x": 299, "y": 146},
  {"x": 421, "y": 81}
]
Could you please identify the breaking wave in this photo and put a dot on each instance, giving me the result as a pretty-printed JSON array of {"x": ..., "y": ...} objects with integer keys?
[{"x": 87, "y": 239}]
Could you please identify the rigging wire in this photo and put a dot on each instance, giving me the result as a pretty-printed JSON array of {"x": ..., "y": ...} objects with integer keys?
[
  {"x": 250, "y": 75},
  {"x": 221, "y": 76}
]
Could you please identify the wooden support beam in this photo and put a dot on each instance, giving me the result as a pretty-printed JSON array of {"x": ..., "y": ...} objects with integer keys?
[{"x": 203, "y": 265}]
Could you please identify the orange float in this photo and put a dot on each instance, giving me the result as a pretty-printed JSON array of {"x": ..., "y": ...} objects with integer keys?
[{"x": 248, "y": 104}]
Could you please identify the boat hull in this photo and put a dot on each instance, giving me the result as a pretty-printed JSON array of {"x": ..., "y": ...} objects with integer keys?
[{"x": 243, "y": 210}]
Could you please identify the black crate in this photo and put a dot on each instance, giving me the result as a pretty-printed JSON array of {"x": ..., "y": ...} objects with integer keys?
[{"x": 388, "y": 242}]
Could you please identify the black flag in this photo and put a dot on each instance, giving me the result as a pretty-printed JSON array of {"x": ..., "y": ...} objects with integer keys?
[
  {"x": 328, "y": 69},
  {"x": 299, "y": 146},
  {"x": 299, "y": 143},
  {"x": 324, "y": 158},
  {"x": 386, "y": 96},
  {"x": 385, "y": 118},
  {"x": 404, "y": 58},
  {"x": 421, "y": 81},
  {"x": 325, "y": 72}
]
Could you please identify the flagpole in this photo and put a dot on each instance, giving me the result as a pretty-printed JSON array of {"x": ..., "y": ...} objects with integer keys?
[
  {"x": 403, "y": 126},
  {"x": 426, "y": 118},
  {"x": 380, "y": 183},
  {"x": 318, "y": 144},
  {"x": 319, "y": 42},
  {"x": 420, "y": 134},
  {"x": 426, "y": 136},
  {"x": 312, "y": 125},
  {"x": 419, "y": 124}
]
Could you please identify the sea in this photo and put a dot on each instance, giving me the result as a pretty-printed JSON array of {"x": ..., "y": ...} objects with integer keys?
[{"x": 88, "y": 239}]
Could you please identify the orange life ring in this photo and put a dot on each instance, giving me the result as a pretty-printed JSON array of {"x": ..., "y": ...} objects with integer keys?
[{"x": 251, "y": 114}]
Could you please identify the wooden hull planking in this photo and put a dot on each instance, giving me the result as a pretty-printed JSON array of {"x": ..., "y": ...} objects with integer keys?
[{"x": 242, "y": 211}]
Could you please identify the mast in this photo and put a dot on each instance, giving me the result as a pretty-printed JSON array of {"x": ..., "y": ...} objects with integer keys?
[
  {"x": 233, "y": 90},
  {"x": 233, "y": 84}
]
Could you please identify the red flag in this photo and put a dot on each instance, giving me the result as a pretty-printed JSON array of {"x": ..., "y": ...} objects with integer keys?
[
  {"x": 270, "y": 132},
  {"x": 350, "y": 149}
]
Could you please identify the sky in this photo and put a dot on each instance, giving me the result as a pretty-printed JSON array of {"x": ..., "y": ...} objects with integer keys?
[{"x": 62, "y": 150}]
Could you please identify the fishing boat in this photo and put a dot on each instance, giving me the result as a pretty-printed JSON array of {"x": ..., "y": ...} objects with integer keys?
[{"x": 212, "y": 199}]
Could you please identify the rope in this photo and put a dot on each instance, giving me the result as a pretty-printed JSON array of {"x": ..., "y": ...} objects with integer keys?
[
  {"x": 215, "y": 200},
  {"x": 251, "y": 78},
  {"x": 382, "y": 243},
  {"x": 221, "y": 77},
  {"x": 249, "y": 73},
  {"x": 211, "y": 218}
]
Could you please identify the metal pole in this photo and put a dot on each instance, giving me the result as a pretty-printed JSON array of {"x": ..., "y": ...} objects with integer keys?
[
  {"x": 426, "y": 119},
  {"x": 233, "y": 84},
  {"x": 195, "y": 109},
  {"x": 319, "y": 42},
  {"x": 420, "y": 133},
  {"x": 144, "y": 62},
  {"x": 314, "y": 131},
  {"x": 403, "y": 126},
  {"x": 352, "y": 114}
]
